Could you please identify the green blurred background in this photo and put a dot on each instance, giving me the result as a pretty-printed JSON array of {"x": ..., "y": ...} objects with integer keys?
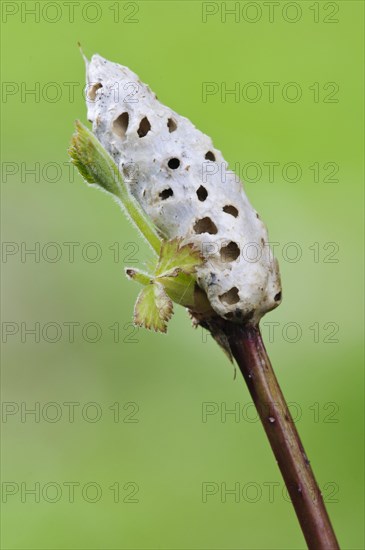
[{"x": 153, "y": 443}]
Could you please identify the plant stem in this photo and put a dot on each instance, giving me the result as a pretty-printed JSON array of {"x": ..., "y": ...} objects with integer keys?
[{"x": 249, "y": 352}]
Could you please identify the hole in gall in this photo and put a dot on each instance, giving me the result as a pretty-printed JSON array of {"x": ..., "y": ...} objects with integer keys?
[
  {"x": 171, "y": 124},
  {"x": 232, "y": 210},
  {"x": 205, "y": 225},
  {"x": 144, "y": 127},
  {"x": 166, "y": 193},
  {"x": 173, "y": 163},
  {"x": 230, "y": 297},
  {"x": 210, "y": 156},
  {"x": 230, "y": 252},
  {"x": 92, "y": 91},
  {"x": 120, "y": 125},
  {"x": 202, "y": 193}
]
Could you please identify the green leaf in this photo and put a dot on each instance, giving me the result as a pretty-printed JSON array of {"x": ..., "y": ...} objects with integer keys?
[
  {"x": 180, "y": 288},
  {"x": 92, "y": 161},
  {"x": 99, "y": 170},
  {"x": 139, "y": 276},
  {"x": 153, "y": 308},
  {"x": 176, "y": 257}
]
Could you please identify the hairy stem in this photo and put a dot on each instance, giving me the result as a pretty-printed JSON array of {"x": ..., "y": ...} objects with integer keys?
[{"x": 249, "y": 352}]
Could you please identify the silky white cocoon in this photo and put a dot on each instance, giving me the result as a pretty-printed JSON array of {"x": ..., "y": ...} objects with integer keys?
[{"x": 183, "y": 183}]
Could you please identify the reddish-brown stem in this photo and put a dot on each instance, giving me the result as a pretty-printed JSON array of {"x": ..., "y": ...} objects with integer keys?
[{"x": 250, "y": 354}]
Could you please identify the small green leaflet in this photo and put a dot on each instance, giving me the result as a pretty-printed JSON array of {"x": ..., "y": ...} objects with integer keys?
[
  {"x": 176, "y": 257},
  {"x": 153, "y": 308},
  {"x": 173, "y": 280}
]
